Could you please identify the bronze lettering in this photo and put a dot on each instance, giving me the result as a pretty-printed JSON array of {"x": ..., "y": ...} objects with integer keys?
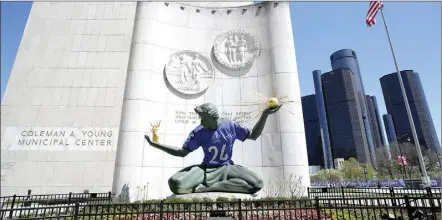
[{"x": 183, "y": 117}]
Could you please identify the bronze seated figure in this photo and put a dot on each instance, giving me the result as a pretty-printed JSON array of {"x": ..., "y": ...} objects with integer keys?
[{"x": 217, "y": 172}]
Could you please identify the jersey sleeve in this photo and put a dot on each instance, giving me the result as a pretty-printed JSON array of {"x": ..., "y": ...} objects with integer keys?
[
  {"x": 191, "y": 142},
  {"x": 241, "y": 132}
]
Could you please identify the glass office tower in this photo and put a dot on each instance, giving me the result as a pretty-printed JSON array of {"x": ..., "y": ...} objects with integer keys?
[
  {"x": 344, "y": 115},
  {"x": 312, "y": 131},
  {"x": 346, "y": 59},
  {"x": 323, "y": 124},
  {"x": 378, "y": 119},
  {"x": 389, "y": 128},
  {"x": 418, "y": 105},
  {"x": 373, "y": 122}
]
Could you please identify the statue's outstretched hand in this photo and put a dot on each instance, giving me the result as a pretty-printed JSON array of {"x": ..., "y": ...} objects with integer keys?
[
  {"x": 147, "y": 139},
  {"x": 270, "y": 111}
]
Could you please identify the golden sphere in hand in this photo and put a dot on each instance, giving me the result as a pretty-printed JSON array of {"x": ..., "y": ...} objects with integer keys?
[{"x": 272, "y": 102}]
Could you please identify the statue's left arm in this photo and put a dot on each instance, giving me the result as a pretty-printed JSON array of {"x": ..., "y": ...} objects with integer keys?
[{"x": 259, "y": 126}]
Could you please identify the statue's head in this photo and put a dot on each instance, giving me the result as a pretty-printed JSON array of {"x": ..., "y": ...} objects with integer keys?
[{"x": 208, "y": 114}]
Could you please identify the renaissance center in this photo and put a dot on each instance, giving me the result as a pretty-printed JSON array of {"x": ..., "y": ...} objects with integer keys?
[{"x": 92, "y": 78}]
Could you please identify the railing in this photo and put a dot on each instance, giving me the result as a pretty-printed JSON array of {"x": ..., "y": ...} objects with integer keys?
[
  {"x": 314, "y": 209},
  {"x": 15, "y": 201},
  {"x": 344, "y": 192}
]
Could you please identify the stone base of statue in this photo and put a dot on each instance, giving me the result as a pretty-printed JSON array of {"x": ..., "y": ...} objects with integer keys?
[{"x": 214, "y": 196}]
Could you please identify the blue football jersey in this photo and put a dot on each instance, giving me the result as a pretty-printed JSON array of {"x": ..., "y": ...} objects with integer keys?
[{"x": 217, "y": 144}]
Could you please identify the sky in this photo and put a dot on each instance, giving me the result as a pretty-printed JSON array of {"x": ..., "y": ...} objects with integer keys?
[{"x": 319, "y": 29}]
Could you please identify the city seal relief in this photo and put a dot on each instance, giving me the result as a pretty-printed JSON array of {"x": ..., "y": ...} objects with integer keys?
[
  {"x": 236, "y": 49},
  {"x": 189, "y": 72}
]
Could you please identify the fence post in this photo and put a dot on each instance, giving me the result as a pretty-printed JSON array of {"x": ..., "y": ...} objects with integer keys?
[
  {"x": 161, "y": 208},
  {"x": 318, "y": 210},
  {"x": 432, "y": 206},
  {"x": 110, "y": 196},
  {"x": 408, "y": 207},
  {"x": 343, "y": 195},
  {"x": 70, "y": 197},
  {"x": 76, "y": 210},
  {"x": 239, "y": 209},
  {"x": 429, "y": 193},
  {"x": 342, "y": 192},
  {"x": 12, "y": 206},
  {"x": 392, "y": 192},
  {"x": 392, "y": 196}
]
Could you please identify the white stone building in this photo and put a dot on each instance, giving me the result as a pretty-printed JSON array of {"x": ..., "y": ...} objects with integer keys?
[{"x": 91, "y": 78}]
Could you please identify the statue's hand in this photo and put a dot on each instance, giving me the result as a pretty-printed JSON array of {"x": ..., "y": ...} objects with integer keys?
[
  {"x": 270, "y": 111},
  {"x": 147, "y": 139}
]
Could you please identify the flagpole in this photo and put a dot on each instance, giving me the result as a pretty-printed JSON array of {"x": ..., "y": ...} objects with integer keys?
[{"x": 425, "y": 180}]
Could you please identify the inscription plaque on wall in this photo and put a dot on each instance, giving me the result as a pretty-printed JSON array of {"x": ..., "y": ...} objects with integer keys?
[
  {"x": 190, "y": 117},
  {"x": 56, "y": 138}
]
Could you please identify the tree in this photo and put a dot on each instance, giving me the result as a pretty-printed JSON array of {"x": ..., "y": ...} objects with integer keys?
[
  {"x": 327, "y": 174},
  {"x": 387, "y": 167},
  {"x": 371, "y": 172},
  {"x": 352, "y": 169},
  {"x": 400, "y": 169},
  {"x": 412, "y": 169},
  {"x": 432, "y": 164},
  {"x": 289, "y": 187}
]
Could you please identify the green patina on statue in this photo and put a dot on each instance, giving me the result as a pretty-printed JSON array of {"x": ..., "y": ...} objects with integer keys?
[{"x": 217, "y": 172}]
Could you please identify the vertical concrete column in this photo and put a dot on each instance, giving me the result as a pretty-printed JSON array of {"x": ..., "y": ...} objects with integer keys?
[
  {"x": 291, "y": 126},
  {"x": 130, "y": 143}
]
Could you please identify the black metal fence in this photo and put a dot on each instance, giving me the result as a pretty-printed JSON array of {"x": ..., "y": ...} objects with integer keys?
[
  {"x": 345, "y": 192},
  {"x": 314, "y": 209},
  {"x": 323, "y": 203},
  {"x": 29, "y": 200}
]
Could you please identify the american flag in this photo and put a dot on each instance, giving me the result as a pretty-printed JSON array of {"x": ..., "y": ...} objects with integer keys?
[{"x": 372, "y": 11}]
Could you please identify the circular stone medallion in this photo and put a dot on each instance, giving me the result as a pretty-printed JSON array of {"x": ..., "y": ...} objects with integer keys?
[
  {"x": 189, "y": 72},
  {"x": 236, "y": 49}
]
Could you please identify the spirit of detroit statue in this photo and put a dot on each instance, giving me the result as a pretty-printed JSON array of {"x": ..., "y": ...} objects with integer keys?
[{"x": 217, "y": 173}]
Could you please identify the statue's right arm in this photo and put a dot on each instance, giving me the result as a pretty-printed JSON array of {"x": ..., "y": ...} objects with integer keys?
[{"x": 174, "y": 151}]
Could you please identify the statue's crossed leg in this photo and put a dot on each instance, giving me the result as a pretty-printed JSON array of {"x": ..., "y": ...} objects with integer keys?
[{"x": 229, "y": 178}]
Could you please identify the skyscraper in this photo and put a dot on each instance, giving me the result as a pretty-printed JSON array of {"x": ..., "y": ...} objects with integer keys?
[
  {"x": 391, "y": 133},
  {"x": 373, "y": 122},
  {"x": 344, "y": 115},
  {"x": 323, "y": 124},
  {"x": 346, "y": 59},
  {"x": 378, "y": 119},
  {"x": 418, "y": 105},
  {"x": 389, "y": 128},
  {"x": 312, "y": 131}
]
